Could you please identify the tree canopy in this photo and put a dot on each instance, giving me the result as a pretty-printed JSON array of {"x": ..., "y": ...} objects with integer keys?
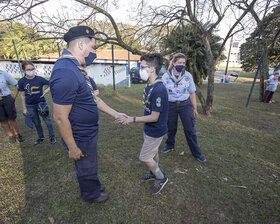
[
  {"x": 251, "y": 50},
  {"x": 185, "y": 40},
  {"x": 24, "y": 37}
]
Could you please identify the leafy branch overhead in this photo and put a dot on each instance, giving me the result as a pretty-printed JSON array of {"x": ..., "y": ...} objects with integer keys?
[{"x": 150, "y": 27}]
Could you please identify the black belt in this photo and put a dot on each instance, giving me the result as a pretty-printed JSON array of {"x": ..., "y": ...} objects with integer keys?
[
  {"x": 4, "y": 97},
  {"x": 178, "y": 102}
]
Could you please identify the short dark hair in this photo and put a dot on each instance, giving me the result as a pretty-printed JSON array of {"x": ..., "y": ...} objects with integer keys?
[
  {"x": 154, "y": 60},
  {"x": 25, "y": 63}
]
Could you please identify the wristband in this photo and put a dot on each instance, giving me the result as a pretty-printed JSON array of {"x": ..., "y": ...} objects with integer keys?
[{"x": 134, "y": 119}]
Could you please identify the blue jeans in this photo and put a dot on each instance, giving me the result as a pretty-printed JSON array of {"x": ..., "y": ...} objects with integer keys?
[
  {"x": 32, "y": 109},
  {"x": 184, "y": 110}
]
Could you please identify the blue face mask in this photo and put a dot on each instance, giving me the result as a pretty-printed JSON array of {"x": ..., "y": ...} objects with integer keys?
[
  {"x": 179, "y": 68},
  {"x": 90, "y": 58}
]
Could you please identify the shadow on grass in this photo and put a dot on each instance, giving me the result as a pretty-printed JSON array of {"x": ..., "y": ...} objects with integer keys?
[{"x": 238, "y": 184}]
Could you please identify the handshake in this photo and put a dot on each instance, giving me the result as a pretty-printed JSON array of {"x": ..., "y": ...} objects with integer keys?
[{"x": 123, "y": 119}]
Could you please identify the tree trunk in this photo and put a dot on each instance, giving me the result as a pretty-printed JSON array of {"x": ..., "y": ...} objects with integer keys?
[
  {"x": 201, "y": 99},
  {"x": 263, "y": 70},
  {"x": 210, "y": 88},
  {"x": 211, "y": 73}
]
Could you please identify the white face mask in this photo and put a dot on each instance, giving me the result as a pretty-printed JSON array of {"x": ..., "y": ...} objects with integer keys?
[
  {"x": 30, "y": 73},
  {"x": 144, "y": 74}
]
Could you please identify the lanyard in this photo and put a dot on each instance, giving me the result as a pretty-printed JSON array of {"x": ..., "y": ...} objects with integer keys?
[
  {"x": 146, "y": 97},
  {"x": 178, "y": 80}
]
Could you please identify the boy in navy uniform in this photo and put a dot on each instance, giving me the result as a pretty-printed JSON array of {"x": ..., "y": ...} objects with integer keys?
[
  {"x": 76, "y": 107},
  {"x": 155, "y": 101}
]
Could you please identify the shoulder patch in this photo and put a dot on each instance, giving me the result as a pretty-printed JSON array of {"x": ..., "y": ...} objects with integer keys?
[{"x": 158, "y": 102}]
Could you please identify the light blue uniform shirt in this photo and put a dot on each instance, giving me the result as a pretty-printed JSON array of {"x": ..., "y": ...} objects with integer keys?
[
  {"x": 4, "y": 79},
  {"x": 181, "y": 91},
  {"x": 272, "y": 84}
]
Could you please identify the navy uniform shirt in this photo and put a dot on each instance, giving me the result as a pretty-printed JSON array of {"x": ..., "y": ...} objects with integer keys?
[
  {"x": 33, "y": 89},
  {"x": 68, "y": 87},
  {"x": 158, "y": 101}
]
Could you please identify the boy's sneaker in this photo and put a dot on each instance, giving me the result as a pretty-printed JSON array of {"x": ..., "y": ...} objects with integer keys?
[
  {"x": 201, "y": 159},
  {"x": 38, "y": 141},
  {"x": 20, "y": 138},
  {"x": 158, "y": 185},
  {"x": 167, "y": 149},
  {"x": 53, "y": 140},
  {"x": 148, "y": 176}
]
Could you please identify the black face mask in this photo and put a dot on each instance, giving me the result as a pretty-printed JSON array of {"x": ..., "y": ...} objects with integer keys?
[
  {"x": 90, "y": 58},
  {"x": 179, "y": 68}
]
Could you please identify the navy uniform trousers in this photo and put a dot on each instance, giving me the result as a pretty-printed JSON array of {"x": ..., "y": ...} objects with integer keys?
[
  {"x": 86, "y": 170},
  {"x": 184, "y": 110}
]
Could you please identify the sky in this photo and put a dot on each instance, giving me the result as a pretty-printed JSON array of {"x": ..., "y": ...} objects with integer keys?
[{"x": 121, "y": 14}]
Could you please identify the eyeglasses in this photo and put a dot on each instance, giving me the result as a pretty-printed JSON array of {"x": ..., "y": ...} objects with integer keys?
[
  {"x": 32, "y": 69},
  {"x": 143, "y": 67}
]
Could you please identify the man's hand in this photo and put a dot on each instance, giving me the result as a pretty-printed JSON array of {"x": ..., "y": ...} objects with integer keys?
[
  {"x": 75, "y": 153},
  {"x": 96, "y": 92},
  {"x": 120, "y": 118},
  {"x": 24, "y": 111},
  {"x": 195, "y": 113}
]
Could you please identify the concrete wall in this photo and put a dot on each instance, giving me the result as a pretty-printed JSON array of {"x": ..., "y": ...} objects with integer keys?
[{"x": 102, "y": 73}]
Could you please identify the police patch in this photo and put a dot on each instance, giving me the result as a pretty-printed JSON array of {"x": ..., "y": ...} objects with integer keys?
[{"x": 158, "y": 102}]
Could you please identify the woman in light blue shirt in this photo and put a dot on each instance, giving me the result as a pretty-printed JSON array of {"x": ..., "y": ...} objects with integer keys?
[
  {"x": 182, "y": 101},
  {"x": 8, "y": 112}
]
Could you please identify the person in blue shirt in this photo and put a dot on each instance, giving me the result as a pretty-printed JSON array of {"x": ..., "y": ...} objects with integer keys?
[
  {"x": 32, "y": 98},
  {"x": 8, "y": 113},
  {"x": 182, "y": 101},
  {"x": 155, "y": 101},
  {"x": 75, "y": 108}
]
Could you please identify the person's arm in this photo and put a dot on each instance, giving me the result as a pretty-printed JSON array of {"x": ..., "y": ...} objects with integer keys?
[
  {"x": 22, "y": 96},
  {"x": 153, "y": 117},
  {"x": 60, "y": 115},
  {"x": 193, "y": 101},
  {"x": 45, "y": 92},
  {"x": 16, "y": 92},
  {"x": 101, "y": 105}
]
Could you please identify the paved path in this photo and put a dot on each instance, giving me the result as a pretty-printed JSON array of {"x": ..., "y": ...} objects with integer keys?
[{"x": 220, "y": 74}]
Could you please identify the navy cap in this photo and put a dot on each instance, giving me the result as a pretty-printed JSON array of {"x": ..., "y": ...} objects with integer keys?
[{"x": 78, "y": 31}]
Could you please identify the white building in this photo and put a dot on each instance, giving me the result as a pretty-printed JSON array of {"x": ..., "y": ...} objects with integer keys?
[{"x": 234, "y": 57}]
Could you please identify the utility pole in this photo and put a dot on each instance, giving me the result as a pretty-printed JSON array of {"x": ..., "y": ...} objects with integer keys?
[
  {"x": 113, "y": 67},
  {"x": 17, "y": 57},
  {"x": 228, "y": 58}
]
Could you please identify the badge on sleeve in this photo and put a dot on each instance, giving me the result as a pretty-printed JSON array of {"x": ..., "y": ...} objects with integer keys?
[{"x": 158, "y": 102}]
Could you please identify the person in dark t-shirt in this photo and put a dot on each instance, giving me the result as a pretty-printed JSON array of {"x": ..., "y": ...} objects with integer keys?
[{"x": 33, "y": 100}]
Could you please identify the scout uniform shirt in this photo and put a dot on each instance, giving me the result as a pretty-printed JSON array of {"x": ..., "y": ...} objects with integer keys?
[
  {"x": 179, "y": 88},
  {"x": 4, "y": 78},
  {"x": 155, "y": 98},
  {"x": 69, "y": 87}
]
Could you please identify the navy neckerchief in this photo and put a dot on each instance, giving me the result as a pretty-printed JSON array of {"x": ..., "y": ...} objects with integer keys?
[
  {"x": 181, "y": 76},
  {"x": 146, "y": 97}
]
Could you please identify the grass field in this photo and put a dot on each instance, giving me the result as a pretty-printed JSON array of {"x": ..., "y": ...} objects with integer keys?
[{"x": 239, "y": 183}]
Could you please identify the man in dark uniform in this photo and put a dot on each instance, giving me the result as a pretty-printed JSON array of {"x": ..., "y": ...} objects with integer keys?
[{"x": 75, "y": 109}]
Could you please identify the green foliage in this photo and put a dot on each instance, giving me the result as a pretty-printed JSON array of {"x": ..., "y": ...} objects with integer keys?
[
  {"x": 184, "y": 39},
  {"x": 25, "y": 41},
  {"x": 251, "y": 50}
]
